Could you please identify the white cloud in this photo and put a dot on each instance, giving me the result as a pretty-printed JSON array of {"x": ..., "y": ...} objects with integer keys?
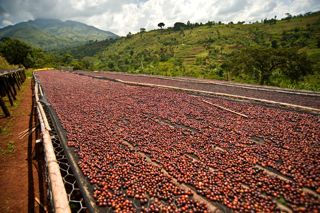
[
  {"x": 122, "y": 16},
  {"x": 7, "y": 22}
]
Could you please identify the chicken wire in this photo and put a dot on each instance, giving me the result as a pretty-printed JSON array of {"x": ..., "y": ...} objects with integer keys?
[{"x": 75, "y": 197}]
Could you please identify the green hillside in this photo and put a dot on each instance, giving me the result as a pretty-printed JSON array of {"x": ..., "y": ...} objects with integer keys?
[
  {"x": 205, "y": 50},
  {"x": 51, "y": 34},
  {"x": 89, "y": 49}
]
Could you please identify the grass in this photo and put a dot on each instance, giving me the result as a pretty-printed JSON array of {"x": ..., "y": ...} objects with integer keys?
[
  {"x": 4, "y": 65},
  {"x": 10, "y": 148},
  {"x": 4, "y": 131},
  {"x": 29, "y": 73}
]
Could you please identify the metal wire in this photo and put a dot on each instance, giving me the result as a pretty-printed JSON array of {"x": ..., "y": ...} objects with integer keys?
[{"x": 75, "y": 197}]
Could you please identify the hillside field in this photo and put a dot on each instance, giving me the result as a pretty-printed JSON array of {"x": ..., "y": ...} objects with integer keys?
[{"x": 204, "y": 51}]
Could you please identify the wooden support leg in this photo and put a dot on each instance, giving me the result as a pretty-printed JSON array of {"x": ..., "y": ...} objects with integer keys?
[
  {"x": 8, "y": 91},
  {"x": 10, "y": 98},
  {"x": 2, "y": 88},
  {"x": 15, "y": 80},
  {"x": 23, "y": 76},
  {"x": 18, "y": 80},
  {"x": 11, "y": 91},
  {"x": 11, "y": 84},
  {"x": 4, "y": 108}
]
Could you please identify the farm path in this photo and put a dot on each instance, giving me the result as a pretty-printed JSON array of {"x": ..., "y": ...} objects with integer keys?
[{"x": 19, "y": 182}]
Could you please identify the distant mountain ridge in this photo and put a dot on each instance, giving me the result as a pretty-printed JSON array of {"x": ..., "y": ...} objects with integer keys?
[{"x": 51, "y": 34}]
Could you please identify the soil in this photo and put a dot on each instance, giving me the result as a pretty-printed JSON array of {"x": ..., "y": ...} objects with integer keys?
[{"x": 19, "y": 176}]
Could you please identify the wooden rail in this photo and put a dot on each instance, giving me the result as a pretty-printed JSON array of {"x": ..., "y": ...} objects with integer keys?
[
  {"x": 10, "y": 82},
  {"x": 59, "y": 194}
]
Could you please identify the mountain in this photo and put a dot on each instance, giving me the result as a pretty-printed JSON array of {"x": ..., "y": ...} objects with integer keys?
[
  {"x": 51, "y": 34},
  {"x": 89, "y": 49}
]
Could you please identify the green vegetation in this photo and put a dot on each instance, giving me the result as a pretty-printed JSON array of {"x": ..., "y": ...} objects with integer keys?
[
  {"x": 50, "y": 34},
  {"x": 29, "y": 73},
  {"x": 11, "y": 148},
  {"x": 19, "y": 53},
  {"x": 4, "y": 65},
  {"x": 291, "y": 48},
  {"x": 264, "y": 64},
  {"x": 4, "y": 131},
  {"x": 87, "y": 50}
]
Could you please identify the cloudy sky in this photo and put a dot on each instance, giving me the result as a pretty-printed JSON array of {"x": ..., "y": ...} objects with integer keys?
[{"x": 123, "y": 16}]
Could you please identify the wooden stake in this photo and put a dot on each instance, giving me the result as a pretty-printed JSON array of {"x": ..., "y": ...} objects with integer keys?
[
  {"x": 40, "y": 204},
  {"x": 27, "y": 133}
]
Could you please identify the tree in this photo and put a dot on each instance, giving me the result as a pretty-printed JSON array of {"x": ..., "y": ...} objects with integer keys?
[
  {"x": 20, "y": 53},
  {"x": 87, "y": 63},
  {"x": 179, "y": 26},
  {"x": 129, "y": 35},
  {"x": 288, "y": 16},
  {"x": 209, "y": 23},
  {"x": 270, "y": 21},
  {"x": 274, "y": 44},
  {"x": 77, "y": 65},
  {"x": 261, "y": 63},
  {"x": 296, "y": 65},
  {"x": 16, "y": 52},
  {"x": 142, "y": 30},
  {"x": 161, "y": 25},
  {"x": 111, "y": 65},
  {"x": 67, "y": 59}
]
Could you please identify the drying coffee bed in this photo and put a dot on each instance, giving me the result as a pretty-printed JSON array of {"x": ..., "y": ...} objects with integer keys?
[
  {"x": 149, "y": 149},
  {"x": 302, "y": 98}
]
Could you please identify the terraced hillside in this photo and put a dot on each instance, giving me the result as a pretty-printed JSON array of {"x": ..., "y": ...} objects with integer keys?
[{"x": 205, "y": 51}]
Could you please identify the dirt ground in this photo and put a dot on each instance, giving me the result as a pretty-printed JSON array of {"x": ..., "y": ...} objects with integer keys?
[{"x": 19, "y": 176}]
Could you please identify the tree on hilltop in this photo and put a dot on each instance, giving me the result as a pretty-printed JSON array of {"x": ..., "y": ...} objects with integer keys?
[
  {"x": 142, "y": 30},
  {"x": 179, "y": 26},
  {"x": 161, "y": 25}
]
